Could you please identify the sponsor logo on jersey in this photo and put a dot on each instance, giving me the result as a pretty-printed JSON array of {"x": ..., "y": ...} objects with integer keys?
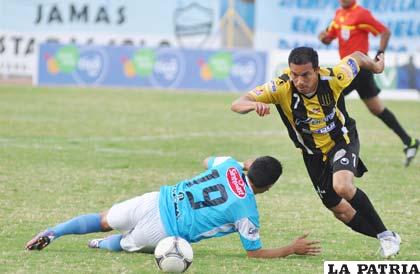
[
  {"x": 279, "y": 82},
  {"x": 339, "y": 154},
  {"x": 258, "y": 91},
  {"x": 347, "y": 70},
  {"x": 273, "y": 86},
  {"x": 236, "y": 184},
  {"x": 325, "y": 129},
  {"x": 352, "y": 64},
  {"x": 344, "y": 161},
  {"x": 253, "y": 231},
  {"x": 316, "y": 110}
]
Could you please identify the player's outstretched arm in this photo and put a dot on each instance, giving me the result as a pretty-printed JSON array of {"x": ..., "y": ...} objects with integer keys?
[
  {"x": 247, "y": 103},
  {"x": 376, "y": 65},
  {"x": 324, "y": 38},
  {"x": 300, "y": 246}
]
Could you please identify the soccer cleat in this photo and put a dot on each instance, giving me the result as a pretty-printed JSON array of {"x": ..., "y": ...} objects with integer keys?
[
  {"x": 411, "y": 151},
  {"x": 95, "y": 243},
  {"x": 40, "y": 241},
  {"x": 390, "y": 245}
]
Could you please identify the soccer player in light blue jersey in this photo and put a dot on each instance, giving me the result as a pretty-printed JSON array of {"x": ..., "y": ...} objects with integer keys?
[{"x": 217, "y": 202}]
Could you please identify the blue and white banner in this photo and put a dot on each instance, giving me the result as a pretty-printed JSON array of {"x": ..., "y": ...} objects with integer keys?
[
  {"x": 146, "y": 67},
  {"x": 285, "y": 24},
  {"x": 165, "y": 22},
  {"x": 26, "y": 23}
]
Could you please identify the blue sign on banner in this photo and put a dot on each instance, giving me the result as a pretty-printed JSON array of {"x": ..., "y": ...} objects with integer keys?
[{"x": 146, "y": 67}]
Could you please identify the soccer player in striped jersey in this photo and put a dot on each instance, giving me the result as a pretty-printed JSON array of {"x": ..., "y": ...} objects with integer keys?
[
  {"x": 310, "y": 103},
  {"x": 215, "y": 203}
]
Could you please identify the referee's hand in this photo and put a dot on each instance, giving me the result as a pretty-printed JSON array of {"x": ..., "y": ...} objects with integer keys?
[{"x": 379, "y": 63}]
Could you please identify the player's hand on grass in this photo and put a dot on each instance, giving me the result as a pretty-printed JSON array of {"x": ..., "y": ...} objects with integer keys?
[
  {"x": 262, "y": 109},
  {"x": 303, "y": 246}
]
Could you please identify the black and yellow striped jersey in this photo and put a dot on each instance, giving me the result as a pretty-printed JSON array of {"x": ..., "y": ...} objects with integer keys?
[{"x": 315, "y": 124}]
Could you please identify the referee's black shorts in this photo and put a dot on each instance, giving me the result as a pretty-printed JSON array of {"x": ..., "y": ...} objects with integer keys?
[
  {"x": 341, "y": 157},
  {"x": 364, "y": 84}
]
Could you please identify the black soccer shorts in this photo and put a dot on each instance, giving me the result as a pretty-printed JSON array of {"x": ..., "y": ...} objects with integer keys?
[
  {"x": 342, "y": 157},
  {"x": 364, "y": 84}
]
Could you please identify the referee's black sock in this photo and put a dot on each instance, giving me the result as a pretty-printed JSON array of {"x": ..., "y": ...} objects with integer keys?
[
  {"x": 389, "y": 119},
  {"x": 359, "y": 224},
  {"x": 362, "y": 204}
]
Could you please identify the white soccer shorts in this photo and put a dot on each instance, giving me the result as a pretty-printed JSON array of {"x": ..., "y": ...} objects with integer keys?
[{"x": 139, "y": 221}]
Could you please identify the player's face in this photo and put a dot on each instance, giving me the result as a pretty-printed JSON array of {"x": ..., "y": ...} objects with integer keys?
[
  {"x": 304, "y": 77},
  {"x": 346, "y": 3}
]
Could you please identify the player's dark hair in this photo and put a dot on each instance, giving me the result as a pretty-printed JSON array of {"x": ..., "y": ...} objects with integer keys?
[
  {"x": 264, "y": 171},
  {"x": 304, "y": 55}
]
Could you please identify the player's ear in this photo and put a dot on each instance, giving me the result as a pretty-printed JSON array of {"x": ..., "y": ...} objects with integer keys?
[{"x": 206, "y": 162}]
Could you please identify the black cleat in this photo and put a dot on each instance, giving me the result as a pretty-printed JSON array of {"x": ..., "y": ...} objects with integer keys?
[{"x": 40, "y": 241}]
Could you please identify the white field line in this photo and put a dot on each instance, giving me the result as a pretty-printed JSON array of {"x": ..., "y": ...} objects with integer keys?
[
  {"x": 46, "y": 144},
  {"x": 160, "y": 137}
]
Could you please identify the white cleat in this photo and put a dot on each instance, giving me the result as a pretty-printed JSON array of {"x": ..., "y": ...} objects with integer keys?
[
  {"x": 390, "y": 245},
  {"x": 94, "y": 243}
]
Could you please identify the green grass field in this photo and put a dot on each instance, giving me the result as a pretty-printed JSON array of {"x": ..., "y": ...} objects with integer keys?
[{"x": 64, "y": 152}]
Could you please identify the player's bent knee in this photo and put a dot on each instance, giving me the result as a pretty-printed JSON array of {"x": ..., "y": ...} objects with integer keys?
[
  {"x": 104, "y": 222},
  {"x": 345, "y": 190}
]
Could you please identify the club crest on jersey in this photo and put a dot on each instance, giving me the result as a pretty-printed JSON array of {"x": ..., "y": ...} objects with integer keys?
[
  {"x": 236, "y": 184},
  {"x": 325, "y": 99},
  {"x": 345, "y": 34}
]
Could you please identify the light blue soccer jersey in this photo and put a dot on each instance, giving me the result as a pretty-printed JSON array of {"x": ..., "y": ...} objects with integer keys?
[{"x": 217, "y": 202}]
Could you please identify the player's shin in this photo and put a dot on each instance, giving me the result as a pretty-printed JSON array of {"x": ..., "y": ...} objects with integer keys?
[
  {"x": 112, "y": 243},
  {"x": 362, "y": 204},
  {"x": 359, "y": 224},
  {"x": 82, "y": 224}
]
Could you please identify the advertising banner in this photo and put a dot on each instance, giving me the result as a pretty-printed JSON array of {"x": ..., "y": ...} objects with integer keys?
[
  {"x": 25, "y": 24},
  {"x": 287, "y": 24},
  {"x": 147, "y": 67}
]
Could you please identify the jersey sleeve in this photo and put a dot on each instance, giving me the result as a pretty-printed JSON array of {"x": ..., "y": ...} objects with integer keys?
[
  {"x": 344, "y": 72},
  {"x": 270, "y": 92},
  {"x": 249, "y": 233},
  {"x": 372, "y": 25},
  {"x": 332, "y": 30}
]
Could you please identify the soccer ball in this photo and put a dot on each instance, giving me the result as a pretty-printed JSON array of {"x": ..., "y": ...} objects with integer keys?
[{"x": 173, "y": 254}]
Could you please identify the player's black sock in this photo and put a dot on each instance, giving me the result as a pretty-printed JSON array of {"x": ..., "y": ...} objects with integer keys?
[
  {"x": 359, "y": 224},
  {"x": 389, "y": 119},
  {"x": 362, "y": 204}
]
